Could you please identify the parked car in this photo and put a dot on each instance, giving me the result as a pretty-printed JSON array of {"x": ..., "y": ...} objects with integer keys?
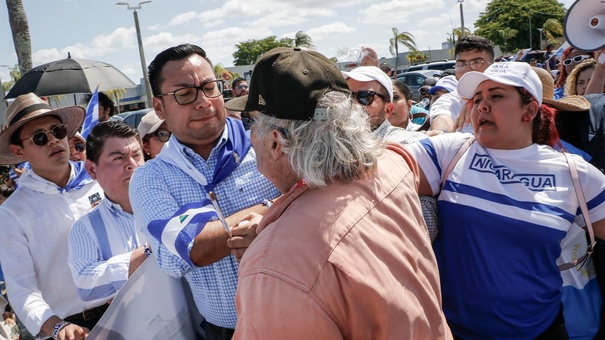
[
  {"x": 433, "y": 65},
  {"x": 132, "y": 118},
  {"x": 414, "y": 80}
]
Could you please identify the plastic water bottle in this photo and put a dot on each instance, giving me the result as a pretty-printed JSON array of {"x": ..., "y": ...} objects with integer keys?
[{"x": 423, "y": 103}]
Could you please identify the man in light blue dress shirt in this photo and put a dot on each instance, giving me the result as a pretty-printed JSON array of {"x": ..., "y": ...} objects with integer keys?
[
  {"x": 208, "y": 156},
  {"x": 104, "y": 247}
]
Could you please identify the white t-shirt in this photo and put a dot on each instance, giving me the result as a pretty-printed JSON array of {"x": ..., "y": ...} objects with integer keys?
[
  {"x": 449, "y": 104},
  {"x": 502, "y": 216}
]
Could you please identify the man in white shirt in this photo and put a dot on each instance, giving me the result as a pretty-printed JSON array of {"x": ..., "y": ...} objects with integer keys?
[
  {"x": 104, "y": 247},
  {"x": 473, "y": 53},
  {"x": 37, "y": 217}
]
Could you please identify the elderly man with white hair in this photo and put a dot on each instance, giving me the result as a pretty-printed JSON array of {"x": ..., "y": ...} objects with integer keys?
[{"x": 344, "y": 252}]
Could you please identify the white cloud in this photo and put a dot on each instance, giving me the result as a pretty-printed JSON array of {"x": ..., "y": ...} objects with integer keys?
[
  {"x": 182, "y": 19},
  {"x": 332, "y": 30}
]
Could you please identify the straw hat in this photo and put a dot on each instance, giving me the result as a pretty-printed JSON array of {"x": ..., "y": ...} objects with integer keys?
[
  {"x": 28, "y": 107},
  {"x": 568, "y": 103},
  {"x": 237, "y": 104}
]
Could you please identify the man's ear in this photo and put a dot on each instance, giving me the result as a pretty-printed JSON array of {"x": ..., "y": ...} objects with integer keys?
[
  {"x": 17, "y": 150},
  {"x": 158, "y": 107},
  {"x": 389, "y": 110},
  {"x": 91, "y": 169},
  {"x": 276, "y": 146}
]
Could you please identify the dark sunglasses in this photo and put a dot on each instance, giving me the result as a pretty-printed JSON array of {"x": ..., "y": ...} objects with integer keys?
[
  {"x": 79, "y": 146},
  {"x": 575, "y": 59},
  {"x": 162, "y": 135},
  {"x": 366, "y": 97},
  {"x": 40, "y": 138},
  {"x": 242, "y": 87}
]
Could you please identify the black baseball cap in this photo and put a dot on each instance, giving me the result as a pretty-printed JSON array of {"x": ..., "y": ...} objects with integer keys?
[{"x": 288, "y": 82}]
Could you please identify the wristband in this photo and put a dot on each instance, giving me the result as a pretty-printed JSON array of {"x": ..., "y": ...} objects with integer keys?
[
  {"x": 148, "y": 251},
  {"x": 58, "y": 327}
]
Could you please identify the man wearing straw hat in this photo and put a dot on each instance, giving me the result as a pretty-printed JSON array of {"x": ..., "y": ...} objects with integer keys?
[{"x": 37, "y": 217}]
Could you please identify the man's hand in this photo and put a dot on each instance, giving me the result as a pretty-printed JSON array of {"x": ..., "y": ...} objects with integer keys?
[
  {"x": 136, "y": 259},
  {"x": 243, "y": 235},
  {"x": 464, "y": 118},
  {"x": 370, "y": 58},
  {"x": 73, "y": 332}
]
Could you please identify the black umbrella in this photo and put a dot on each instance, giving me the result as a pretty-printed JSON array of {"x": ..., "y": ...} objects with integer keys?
[{"x": 70, "y": 76}]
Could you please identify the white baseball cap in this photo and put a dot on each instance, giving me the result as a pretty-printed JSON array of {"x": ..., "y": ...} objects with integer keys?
[
  {"x": 369, "y": 73},
  {"x": 149, "y": 123},
  {"x": 518, "y": 74},
  {"x": 448, "y": 83}
]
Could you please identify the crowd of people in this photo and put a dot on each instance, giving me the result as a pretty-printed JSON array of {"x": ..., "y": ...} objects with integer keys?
[{"x": 318, "y": 203}]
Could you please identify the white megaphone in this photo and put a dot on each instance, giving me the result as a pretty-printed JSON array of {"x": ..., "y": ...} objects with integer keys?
[{"x": 584, "y": 25}]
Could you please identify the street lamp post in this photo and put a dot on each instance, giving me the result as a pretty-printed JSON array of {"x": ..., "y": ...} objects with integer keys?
[
  {"x": 141, "y": 52},
  {"x": 461, "y": 19},
  {"x": 540, "y": 29},
  {"x": 530, "y": 30}
]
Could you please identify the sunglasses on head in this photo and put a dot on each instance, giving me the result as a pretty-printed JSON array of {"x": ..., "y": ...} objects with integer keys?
[
  {"x": 40, "y": 138},
  {"x": 366, "y": 97},
  {"x": 79, "y": 146},
  {"x": 575, "y": 59}
]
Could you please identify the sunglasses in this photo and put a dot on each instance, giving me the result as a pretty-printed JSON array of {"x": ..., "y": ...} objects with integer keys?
[
  {"x": 40, "y": 138},
  {"x": 242, "y": 87},
  {"x": 366, "y": 97},
  {"x": 162, "y": 135},
  {"x": 79, "y": 146},
  {"x": 575, "y": 59}
]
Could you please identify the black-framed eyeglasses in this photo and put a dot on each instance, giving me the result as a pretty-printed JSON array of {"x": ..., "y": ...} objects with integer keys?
[
  {"x": 40, "y": 138},
  {"x": 366, "y": 97},
  {"x": 162, "y": 135},
  {"x": 188, "y": 95},
  {"x": 575, "y": 59},
  {"x": 79, "y": 146},
  {"x": 474, "y": 64},
  {"x": 242, "y": 87}
]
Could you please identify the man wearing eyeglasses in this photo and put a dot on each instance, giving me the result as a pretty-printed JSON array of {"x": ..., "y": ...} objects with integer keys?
[
  {"x": 239, "y": 87},
  {"x": 373, "y": 89},
  {"x": 77, "y": 148},
  {"x": 208, "y": 157},
  {"x": 473, "y": 53},
  {"x": 37, "y": 217}
]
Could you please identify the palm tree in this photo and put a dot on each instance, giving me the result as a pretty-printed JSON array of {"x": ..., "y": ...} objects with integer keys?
[
  {"x": 117, "y": 95},
  {"x": 507, "y": 33},
  {"x": 404, "y": 38},
  {"x": 20, "y": 31},
  {"x": 552, "y": 28},
  {"x": 302, "y": 39},
  {"x": 458, "y": 32},
  {"x": 416, "y": 56}
]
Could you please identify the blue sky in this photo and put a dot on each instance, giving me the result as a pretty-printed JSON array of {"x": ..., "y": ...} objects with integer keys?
[{"x": 101, "y": 30}]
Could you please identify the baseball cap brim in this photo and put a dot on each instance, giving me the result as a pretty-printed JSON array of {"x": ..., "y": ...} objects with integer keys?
[
  {"x": 237, "y": 104},
  {"x": 434, "y": 89},
  {"x": 467, "y": 85}
]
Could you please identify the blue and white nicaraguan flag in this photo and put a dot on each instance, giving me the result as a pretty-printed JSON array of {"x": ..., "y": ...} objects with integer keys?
[
  {"x": 92, "y": 114},
  {"x": 179, "y": 230}
]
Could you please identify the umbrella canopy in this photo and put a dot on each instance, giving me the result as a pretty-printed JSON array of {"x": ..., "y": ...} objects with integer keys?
[{"x": 70, "y": 76}]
